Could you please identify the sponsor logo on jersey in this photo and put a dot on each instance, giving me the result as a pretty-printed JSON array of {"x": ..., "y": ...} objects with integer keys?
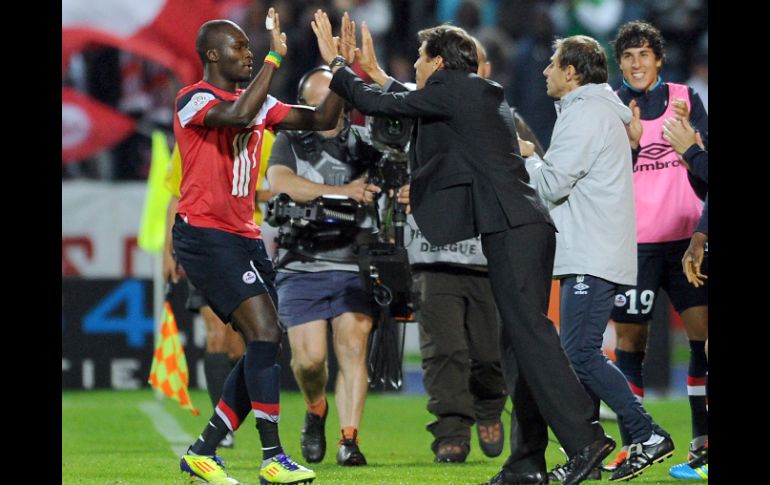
[{"x": 620, "y": 300}]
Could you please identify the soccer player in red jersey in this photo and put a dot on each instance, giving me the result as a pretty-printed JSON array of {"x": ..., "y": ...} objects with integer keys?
[{"x": 219, "y": 130}]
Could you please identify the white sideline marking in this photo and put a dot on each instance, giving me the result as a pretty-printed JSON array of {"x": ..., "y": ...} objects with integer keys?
[{"x": 167, "y": 426}]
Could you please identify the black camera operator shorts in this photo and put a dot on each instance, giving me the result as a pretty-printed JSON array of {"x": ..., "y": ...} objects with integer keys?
[
  {"x": 225, "y": 267},
  {"x": 307, "y": 297}
]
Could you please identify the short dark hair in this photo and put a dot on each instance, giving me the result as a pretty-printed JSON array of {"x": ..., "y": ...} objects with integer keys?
[
  {"x": 209, "y": 34},
  {"x": 637, "y": 33},
  {"x": 453, "y": 44},
  {"x": 586, "y": 55}
]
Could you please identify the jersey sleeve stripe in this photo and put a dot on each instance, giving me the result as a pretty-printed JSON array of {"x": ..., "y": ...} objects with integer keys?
[{"x": 190, "y": 104}]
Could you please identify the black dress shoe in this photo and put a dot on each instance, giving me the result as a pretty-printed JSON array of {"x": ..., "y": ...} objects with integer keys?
[
  {"x": 313, "y": 439},
  {"x": 505, "y": 477},
  {"x": 585, "y": 460}
]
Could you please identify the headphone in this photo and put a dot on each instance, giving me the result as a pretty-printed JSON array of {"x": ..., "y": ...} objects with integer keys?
[{"x": 305, "y": 77}]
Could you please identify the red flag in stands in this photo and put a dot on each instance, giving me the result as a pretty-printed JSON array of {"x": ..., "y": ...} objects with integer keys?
[
  {"x": 88, "y": 126},
  {"x": 161, "y": 30}
]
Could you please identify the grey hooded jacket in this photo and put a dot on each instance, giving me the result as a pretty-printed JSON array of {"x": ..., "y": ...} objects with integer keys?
[{"x": 586, "y": 180}]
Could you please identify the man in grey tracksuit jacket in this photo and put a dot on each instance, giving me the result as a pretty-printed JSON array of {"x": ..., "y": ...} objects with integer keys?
[{"x": 586, "y": 180}]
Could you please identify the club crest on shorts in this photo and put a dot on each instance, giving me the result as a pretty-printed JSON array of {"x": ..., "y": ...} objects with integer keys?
[
  {"x": 620, "y": 300},
  {"x": 249, "y": 277}
]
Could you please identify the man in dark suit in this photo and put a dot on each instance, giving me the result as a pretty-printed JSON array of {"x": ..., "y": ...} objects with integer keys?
[{"x": 468, "y": 178}]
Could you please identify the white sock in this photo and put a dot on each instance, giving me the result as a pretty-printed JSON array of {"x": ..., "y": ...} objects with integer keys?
[{"x": 654, "y": 439}]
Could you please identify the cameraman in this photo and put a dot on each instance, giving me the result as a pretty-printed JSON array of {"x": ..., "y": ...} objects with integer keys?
[{"x": 324, "y": 285}]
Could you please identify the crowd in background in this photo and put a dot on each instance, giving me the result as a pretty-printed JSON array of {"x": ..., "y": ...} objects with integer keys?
[{"x": 517, "y": 34}]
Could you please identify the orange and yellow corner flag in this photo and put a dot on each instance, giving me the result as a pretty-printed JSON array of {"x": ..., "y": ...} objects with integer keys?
[{"x": 169, "y": 366}]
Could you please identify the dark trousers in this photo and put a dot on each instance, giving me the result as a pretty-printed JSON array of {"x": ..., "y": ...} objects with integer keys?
[
  {"x": 544, "y": 388},
  {"x": 460, "y": 353},
  {"x": 586, "y": 304}
]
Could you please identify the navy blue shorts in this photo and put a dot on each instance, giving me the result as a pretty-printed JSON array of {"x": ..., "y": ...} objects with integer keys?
[
  {"x": 660, "y": 266},
  {"x": 307, "y": 297},
  {"x": 225, "y": 267}
]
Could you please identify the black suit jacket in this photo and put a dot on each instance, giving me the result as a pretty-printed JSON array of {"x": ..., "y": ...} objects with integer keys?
[{"x": 467, "y": 175}]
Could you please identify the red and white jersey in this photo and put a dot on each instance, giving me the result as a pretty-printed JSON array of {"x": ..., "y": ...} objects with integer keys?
[{"x": 220, "y": 166}]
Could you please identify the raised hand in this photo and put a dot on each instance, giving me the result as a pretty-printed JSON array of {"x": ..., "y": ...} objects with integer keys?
[
  {"x": 327, "y": 43},
  {"x": 347, "y": 45},
  {"x": 277, "y": 38},
  {"x": 367, "y": 58},
  {"x": 634, "y": 127}
]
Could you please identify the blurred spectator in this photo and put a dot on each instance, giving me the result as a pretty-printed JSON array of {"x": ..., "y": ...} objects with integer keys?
[
  {"x": 147, "y": 93},
  {"x": 681, "y": 22},
  {"x": 699, "y": 77},
  {"x": 516, "y": 17},
  {"x": 464, "y": 13},
  {"x": 480, "y": 20},
  {"x": 376, "y": 13},
  {"x": 525, "y": 87},
  {"x": 400, "y": 68},
  {"x": 596, "y": 18}
]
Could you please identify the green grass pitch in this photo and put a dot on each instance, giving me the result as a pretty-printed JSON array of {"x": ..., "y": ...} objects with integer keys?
[{"x": 108, "y": 438}]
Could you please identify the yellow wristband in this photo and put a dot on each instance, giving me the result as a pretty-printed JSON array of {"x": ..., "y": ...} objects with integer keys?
[{"x": 274, "y": 59}]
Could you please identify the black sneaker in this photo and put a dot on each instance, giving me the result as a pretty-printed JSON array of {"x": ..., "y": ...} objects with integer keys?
[
  {"x": 641, "y": 457},
  {"x": 560, "y": 472},
  {"x": 313, "y": 439},
  {"x": 585, "y": 460},
  {"x": 349, "y": 454}
]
